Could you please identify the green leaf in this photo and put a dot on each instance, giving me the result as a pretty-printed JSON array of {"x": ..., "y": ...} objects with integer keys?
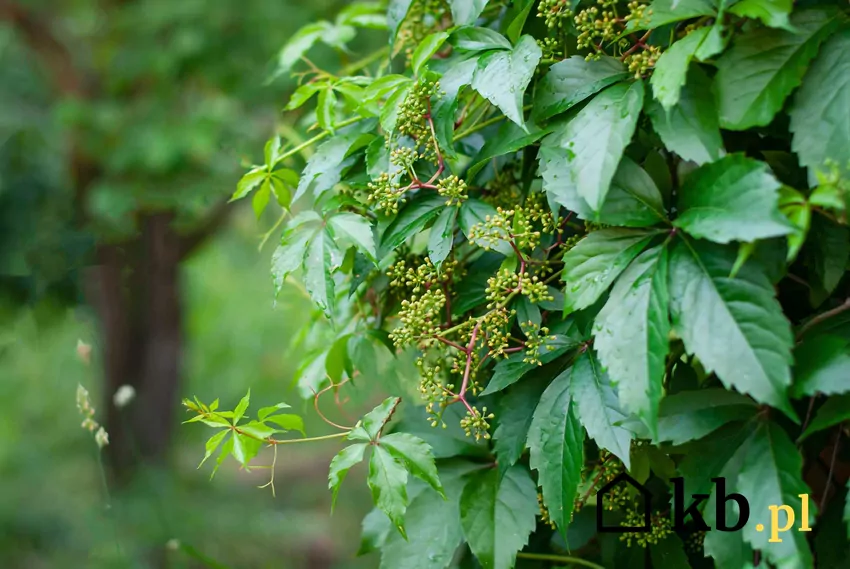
[
  {"x": 691, "y": 415},
  {"x": 835, "y": 411},
  {"x": 773, "y": 13},
  {"x": 573, "y": 80},
  {"x": 341, "y": 464},
  {"x": 497, "y": 516},
  {"x": 288, "y": 257},
  {"x": 288, "y": 422},
  {"x": 828, "y": 254},
  {"x": 596, "y": 261},
  {"x": 239, "y": 412},
  {"x": 324, "y": 168},
  {"x": 733, "y": 199},
  {"x": 261, "y": 198},
  {"x": 387, "y": 480},
  {"x": 249, "y": 181},
  {"x": 516, "y": 410},
  {"x": 597, "y": 407},
  {"x": 412, "y": 219},
  {"x": 396, "y": 13},
  {"x": 632, "y": 201},
  {"x": 245, "y": 448},
  {"x": 510, "y": 138},
  {"x": 594, "y": 140},
  {"x": 415, "y": 454},
  {"x": 367, "y": 429},
  {"x": 556, "y": 439},
  {"x": 690, "y": 128},
  {"x": 764, "y": 65},
  {"x": 662, "y": 12},
  {"x": 444, "y": 107},
  {"x": 226, "y": 450},
  {"x": 376, "y": 529},
  {"x": 303, "y": 94},
  {"x": 466, "y": 11},
  {"x": 819, "y": 111},
  {"x": 212, "y": 444},
  {"x": 442, "y": 236},
  {"x": 796, "y": 208},
  {"x": 509, "y": 371},
  {"x": 471, "y": 38},
  {"x": 326, "y": 109},
  {"x": 671, "y": 69},
  {"x": 390, "y": 110},
  {"x": 257, "y": 430},
  {"x": 822, "y": 366},
  {"x": 631, "y": 334},
  {"x": 426, "y": 49},
  {"x": 299, "y": 44},
  {"x": 357, "y": 229},
  {"x": 669, "y": 553},
  {"x": 503, "y": 76},
  {"x": 772, "y": 474},
  {"x": 750, "y": 340},
  {"x": 318, "y": 269}
]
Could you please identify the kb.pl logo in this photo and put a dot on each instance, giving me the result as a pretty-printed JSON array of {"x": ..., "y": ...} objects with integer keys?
[{"x": 681, "y": 511}]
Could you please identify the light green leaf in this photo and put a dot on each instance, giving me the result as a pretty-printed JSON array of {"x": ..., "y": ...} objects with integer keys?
[
  {"x": 387, "y": 480},
  {"x": 690, "y": 128},
  {"x": 212, "y": 444},
  {"x": 671, "y": 69},
  {"x": 573, "y": 80},
  {"x": 594, "y": 140},
  {"x": 299, "y": 44},
  {"x": 318, "y": 269},
  {"x": 471, "y": 38},
  {"x": 357, "y": 229},
  {"x": 770, "y": 475},
  {"x": 835, "y": 411},
  {"x": 444, "y": 107},
  {"x": 341, "y": 464},
  {"x": 691, "y": 415},
  {"x": 288, "y": 422},
  {"x": 324, "y": 168},
  {"x": 749, "y": 347},
  {"x": 631, "y": 334},
  {"x": 261, "y": 198},
  {"x": 416, "y": 456},
  {"x": 376, "y": 529},
  {"x": 257, "y": 430},
  {"x": 796, "y": 208},
  {"x": 412, "y": 219},
  {"x": 367, "y": 429},
  {"x": 497, "y": 516},
  {"x": 466, "y": 11},
  {"x": 503, "y": 76},
  {"x": 597, "y": 407},
  {"x": 442, "y": 236},
  {"x": 390, "y": 110},
  {"x": 288, "y": 257},
  {"x": 245, "y": 448},
  {"x": 241, "y": 407},
  {"x": 822, "y": 366},
  {"x": 226, "y": 450},
  {"x": 326, "y": 109},
  {"x": 303, "y": 94},
  {"x": 596, "y": 261},
  {"x": 733, "y": 199},
  {"x": 396, "y": 13},
  {"x": 249, "y": 181},
  {"x": 556, "y": 439},
  {"x": 662, "y": 12},
  {"x": 773, "y": 13},
  {"x": 427, "y": 48},
  {"x": 819, "y": 117},
  {"x": 764, "y": 65},
  {"x": 266, "y": 411}
]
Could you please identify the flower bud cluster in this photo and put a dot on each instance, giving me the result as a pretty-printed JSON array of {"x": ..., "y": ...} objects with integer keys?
[
  {"x": 554, "y": 12},
  {"x": 476, "y": 424},
  {"x": 386, "y": 193},
  {"x": 695, "y": 542},
  {"x": 642, "y": 61},
  {"x": 596, "y": 26},
  {"x": 536, "y": 337},
  {"x": 454, "y": 189},
  {"x": 661, "y": 527},
  {"x": 495, "y": 228},
  {"x": 413, "y": 111},
  {"x": 420, "y": 316},
  {"x": 495, "y": 324},
  {"x": 404, "y": 157}
]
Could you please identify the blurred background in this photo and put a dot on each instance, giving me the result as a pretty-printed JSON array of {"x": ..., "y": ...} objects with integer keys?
[{"x": 124, "y": 127}]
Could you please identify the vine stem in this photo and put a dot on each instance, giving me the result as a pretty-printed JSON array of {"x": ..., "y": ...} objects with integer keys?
[
  {"x": 565, "y": 559},
  {"x": 322, "y": 135},
  {"x": 365, "y": 61},
  {"x": 824, "y": 316}
]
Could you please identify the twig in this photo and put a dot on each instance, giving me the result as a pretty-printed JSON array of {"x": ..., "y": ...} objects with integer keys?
[
  {"x": 319, "y": 412},
  {"x": 831, "y": 468},
  {"x": 824, "y": 316}
]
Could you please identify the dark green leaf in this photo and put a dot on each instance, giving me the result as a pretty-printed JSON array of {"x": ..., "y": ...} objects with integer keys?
[
  {"x": 341, "y": 464},
  {"x": 556, "y": 440},
  {"x": 822, "y": 366},
  {"x": 411, "y": 220},
  {"x": 498, "y": 515},
  {"x": 829, "y": 251},
  {"x": 597, "y": 406},
  {"x": 733, "y": 199},
  {"x": 444, "y": 108},
  {"x": 594, "y": 140},
  {"x": 573, "y": 80},
  {"x": 764, "y": 65},
  {"x": 516, "y": 410},
  {"x": 691, "y": 415},
  {"x": 511, "y": 370},
  {"x": 631, "y": 334},
  {"x": 510, "y": 138},
  {"x": 318, "y": 269},
  {"x": 596, "y": 261},
  {"x": 749, "y": 347},
  {"x": 503, "y": 76},
  {"x": 663, "y": 12},
  {"x": 387, "y": 480},
  {"x": 835, "y": 411},
  {"x": 669, "y": 553},
  {"x": 416, "y": 456}
]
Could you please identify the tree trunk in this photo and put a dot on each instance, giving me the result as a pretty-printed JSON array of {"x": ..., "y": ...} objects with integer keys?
[{"x": 136, "y": 292}]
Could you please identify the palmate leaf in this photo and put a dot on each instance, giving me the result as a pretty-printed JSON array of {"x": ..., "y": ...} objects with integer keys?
[
  {"x": 516, "y": 411},
  {"x": 416, "y": 456},
  {"x": 594, "y": 140},
  {"x": 671, "y": 70},
  {"x": 318, "y": 271},
  {"x": 356, "y": 229},
  {"x": 324, "y": 168},
  {"x": 596, "y": 261},
  {"x": 555, "y": 439},
  {"x": 503, "y": 76},
  {"x": 749, "y": 347},
  {"x": 573, "y": 80},
  {"x": 764, "y": 65},
  {"x": 387, "y": 480},
  {"x": 498, "y": 514},
  {"x": 341, "y": 464},
  {"x": 819, "y": 117},
  {"x": 444, "y": 107},
  {"x": 597, "y": 407},
  {"x": 631, "y": 334},
  {"x": 669, "y": 11},
  {"x": 368, "y": 428},
  {"x": 692, "y": 415}
]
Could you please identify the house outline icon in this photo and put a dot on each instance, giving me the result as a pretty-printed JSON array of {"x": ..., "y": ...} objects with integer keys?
[{"x": 647, "y": 506}]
